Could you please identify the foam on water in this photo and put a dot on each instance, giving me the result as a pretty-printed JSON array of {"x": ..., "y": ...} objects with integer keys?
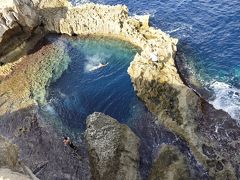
[
  {"x": 79, "y": 2},
  {"x": 93, "y": 62},
  {"x": 226, "y": 98}
]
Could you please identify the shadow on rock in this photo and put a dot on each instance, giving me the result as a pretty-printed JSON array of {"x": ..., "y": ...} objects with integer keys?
[
  {"x": 212, "y": 136},
  {"x": 41, "y": 147}
]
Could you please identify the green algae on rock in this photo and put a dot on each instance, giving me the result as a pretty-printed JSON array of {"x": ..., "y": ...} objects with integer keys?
[{"x": 31, "y": 75}]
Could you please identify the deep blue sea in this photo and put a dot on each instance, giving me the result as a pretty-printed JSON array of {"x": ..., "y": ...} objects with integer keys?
[{"x": 209, "y": 34}]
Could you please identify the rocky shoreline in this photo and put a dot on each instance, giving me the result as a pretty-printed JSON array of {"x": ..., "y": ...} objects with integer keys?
[{"x": 212, "y": 135}]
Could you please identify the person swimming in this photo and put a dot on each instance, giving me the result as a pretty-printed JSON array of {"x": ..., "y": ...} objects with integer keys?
[{"x": 100, "y": 65}]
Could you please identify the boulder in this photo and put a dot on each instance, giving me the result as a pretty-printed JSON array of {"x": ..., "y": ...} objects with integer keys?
[{"x": 112, "y": 147}]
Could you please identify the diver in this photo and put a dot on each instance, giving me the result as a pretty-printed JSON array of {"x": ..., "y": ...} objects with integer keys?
[{"x": 100, "y": 65}]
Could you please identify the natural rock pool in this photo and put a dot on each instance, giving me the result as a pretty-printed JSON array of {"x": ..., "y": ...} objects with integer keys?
[{"x": 83, "y": 89}]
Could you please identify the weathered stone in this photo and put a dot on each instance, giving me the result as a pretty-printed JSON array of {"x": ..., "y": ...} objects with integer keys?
[
  {"x": 170, "y": 164},
  {"x": 112, "y": 147},
  {"x": 8, "y": 174},
  {"x": 10, "y": 167},
  {"x": 18, "y": 19},
  {"x": 8, "y": 154}
]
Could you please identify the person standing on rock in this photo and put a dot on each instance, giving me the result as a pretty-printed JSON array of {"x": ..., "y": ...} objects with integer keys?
[{"x": 68, "y": 142}]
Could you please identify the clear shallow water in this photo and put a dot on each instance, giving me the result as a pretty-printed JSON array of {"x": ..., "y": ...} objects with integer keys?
[{"x": 209, "y": 33}]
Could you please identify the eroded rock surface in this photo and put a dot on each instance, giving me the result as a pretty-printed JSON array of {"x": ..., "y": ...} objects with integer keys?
[
  {"x": 170, "y": 164},
  {"x": 8, "y": 154},
  {"x": 10, "y": 166},
  {"x": 18, "y": 20},
  {"x": 8, "y": 174},
  {"x": 113, "y": 149}
]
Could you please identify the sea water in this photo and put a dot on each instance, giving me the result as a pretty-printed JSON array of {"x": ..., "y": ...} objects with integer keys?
[
  {"x": 96, "y": 80},
  {"x": 209, "y": 34}
]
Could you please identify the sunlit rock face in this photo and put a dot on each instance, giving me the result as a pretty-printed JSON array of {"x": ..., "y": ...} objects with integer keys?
[
  {"x": 29, "y": 77},
  {"x": 6, "y": 173},
  {"x": 9, "y": 154},
  {"x": 18, "y": 19}
]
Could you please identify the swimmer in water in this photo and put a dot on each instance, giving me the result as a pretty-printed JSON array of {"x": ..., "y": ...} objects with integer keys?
[{"x": 99, "y": 66}]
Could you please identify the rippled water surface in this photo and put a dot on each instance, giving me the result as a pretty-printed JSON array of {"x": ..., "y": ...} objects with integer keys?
[
  {"x": 209, "y": 33},
  {"x": 85, "y": 87}
]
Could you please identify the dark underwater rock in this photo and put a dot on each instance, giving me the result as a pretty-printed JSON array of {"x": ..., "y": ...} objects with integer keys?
[{"x": 113, "y": 149}]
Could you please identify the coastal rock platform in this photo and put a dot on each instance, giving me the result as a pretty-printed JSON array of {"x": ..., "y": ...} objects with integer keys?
[{"x": 212, "y": 135}]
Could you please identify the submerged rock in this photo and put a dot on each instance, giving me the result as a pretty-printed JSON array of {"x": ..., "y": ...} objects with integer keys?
[
  {"x": 112, "y": 147},
  {"x": 170, "y": 164}
]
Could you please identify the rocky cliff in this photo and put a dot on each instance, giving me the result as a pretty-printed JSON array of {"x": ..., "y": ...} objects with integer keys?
[
  {"x": 18, "y": 20},
  {"x": 153, "y": 72}
]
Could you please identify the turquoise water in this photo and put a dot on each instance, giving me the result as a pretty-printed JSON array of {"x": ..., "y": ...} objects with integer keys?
[
  {"x": 209, "y": 34},
  {"x": 85, "y": 88}
]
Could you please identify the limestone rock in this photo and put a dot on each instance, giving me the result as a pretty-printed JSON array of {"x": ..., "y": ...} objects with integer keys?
[
  {"x": 18, "y": 18},
  {"x": 113, "y": 148},
  {"x": 8, "y": 174},
  {"x": 28, "y": 16},
  {"x": 170, "y": 164},
  {"x": 8, "y": 154},
  {"x": 10, "y": 167}
]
